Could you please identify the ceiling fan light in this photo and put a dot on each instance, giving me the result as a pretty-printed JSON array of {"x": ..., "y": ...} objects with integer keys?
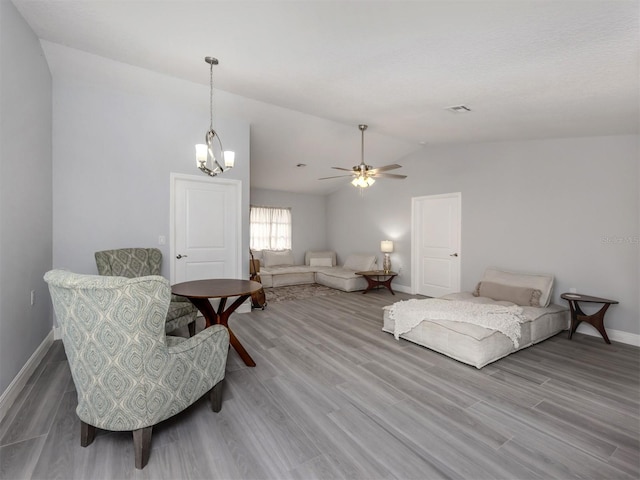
[{"x": 363, "y": 174}]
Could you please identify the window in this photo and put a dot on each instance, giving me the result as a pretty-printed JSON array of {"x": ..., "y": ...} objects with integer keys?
[{"x": 269, "y": 228}]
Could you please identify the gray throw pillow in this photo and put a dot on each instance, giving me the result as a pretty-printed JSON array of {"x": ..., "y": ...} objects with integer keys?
[{"x": 523, "y": 296}]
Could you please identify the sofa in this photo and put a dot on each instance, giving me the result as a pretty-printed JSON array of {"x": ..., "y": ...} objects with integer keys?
[{"x": 278, "y": 269}]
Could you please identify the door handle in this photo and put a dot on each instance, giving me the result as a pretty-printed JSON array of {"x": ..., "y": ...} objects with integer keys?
[
  {"x": 180, "y": 256},
  {"x": 453, "y": 255}
]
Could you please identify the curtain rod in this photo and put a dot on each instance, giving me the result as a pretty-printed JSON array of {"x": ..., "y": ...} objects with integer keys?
[{"x": 270, "y": 206}]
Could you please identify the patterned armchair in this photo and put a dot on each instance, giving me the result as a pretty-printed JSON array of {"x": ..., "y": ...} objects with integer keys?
[
  {"x": 140, "y": 262},
  {"x": 128, "y": 374}
]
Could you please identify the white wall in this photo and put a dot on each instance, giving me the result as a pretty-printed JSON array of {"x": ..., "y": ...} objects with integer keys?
[
  {"x": 568, "y": 207},
  {"x": 308, "y": 215},
  {"x": 25, "y": 193},
  {"x": 115, "y": 145}
]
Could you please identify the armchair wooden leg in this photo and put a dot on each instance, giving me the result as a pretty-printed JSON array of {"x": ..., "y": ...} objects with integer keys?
[
  {"x": 142, "y": 446},
  {"x": 215, "y": 396},
  {"x": 192, "y": 328},
  {"x": 87, "y": 434}
]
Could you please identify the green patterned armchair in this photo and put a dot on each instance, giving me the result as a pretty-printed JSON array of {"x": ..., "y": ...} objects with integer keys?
[
  {"x": 129, "y": 375},
  {"x": 140, "y": 262}
]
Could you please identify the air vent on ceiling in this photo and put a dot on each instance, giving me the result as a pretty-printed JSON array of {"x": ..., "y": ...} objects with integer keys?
[{"x": 458, "y": 109}]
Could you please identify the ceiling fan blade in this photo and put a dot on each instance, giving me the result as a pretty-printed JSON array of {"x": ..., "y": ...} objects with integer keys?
[
  {"x": 388, "y": 175},
  {"x": 345, "y": 169},
  {"x": 337, "y": 176},
  {"x": 385, "y": 168}
]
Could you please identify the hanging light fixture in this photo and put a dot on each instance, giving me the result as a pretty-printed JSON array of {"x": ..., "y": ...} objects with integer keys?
[
  {"x": 363, "y": 179},
  {"x": 206, "y": 151},
  {"x": 364, "y": 175}
]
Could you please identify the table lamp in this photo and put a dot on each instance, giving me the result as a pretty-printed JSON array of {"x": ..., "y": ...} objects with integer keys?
[{"x": 386, "y": 247}]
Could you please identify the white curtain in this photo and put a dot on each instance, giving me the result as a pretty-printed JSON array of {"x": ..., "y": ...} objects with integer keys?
[{"x": 270, "y": 228}]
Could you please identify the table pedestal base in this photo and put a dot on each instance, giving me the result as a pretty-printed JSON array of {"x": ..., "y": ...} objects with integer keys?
[
  {"x": 578, "y": 316},
  {"x": 597, "y": 319},
  {"x": 373, "y": 283},
  {"x": 222, "y": 317},
  {"x": 373, "y": 279}
]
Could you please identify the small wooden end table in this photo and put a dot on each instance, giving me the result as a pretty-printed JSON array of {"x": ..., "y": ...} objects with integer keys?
[
  {"x": 578, "y": 316},
  {"x": 373, "y": 279},
  {"x": 200, "y": 291}
]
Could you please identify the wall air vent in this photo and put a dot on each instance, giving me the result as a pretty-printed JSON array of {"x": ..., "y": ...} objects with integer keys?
[{"x": 458, "y": 109}]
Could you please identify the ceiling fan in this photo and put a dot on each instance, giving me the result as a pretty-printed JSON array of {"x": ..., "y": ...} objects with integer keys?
[{"x": 364, "y": 175}]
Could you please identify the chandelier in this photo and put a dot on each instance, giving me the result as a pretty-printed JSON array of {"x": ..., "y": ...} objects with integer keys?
[{"x": 213, "y": 145}]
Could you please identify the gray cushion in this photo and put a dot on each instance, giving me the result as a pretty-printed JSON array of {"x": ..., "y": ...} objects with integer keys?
[
  {"x": 523, "y": 296},
  {"x": 271, "y": 258},
  {"x": 542, "y": 282},
  {"x": 320, "y": 254},
  {"x": 320, "y": 262},
  {"x": 362, "y": 262}
]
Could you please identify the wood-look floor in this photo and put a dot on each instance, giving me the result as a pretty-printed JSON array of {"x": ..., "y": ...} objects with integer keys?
[{"x": 333, "y": 396}]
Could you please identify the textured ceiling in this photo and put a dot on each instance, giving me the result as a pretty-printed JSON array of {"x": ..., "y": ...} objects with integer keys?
[{"x": 526, "y": 69}]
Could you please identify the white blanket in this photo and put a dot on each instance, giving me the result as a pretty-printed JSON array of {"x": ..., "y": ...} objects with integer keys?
[{"x": 409, "y": 314}]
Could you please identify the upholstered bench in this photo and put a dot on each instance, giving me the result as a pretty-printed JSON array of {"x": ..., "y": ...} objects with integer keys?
[{"x": 344, "y": 277}]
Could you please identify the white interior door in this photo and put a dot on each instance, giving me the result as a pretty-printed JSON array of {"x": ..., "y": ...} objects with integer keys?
[
  {"x": 436, "y": 226},
  {"x": 206, "y": 228}
]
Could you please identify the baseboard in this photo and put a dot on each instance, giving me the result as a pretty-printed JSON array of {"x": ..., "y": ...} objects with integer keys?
[
  {"x": 245, "y": 307},
  {"x": 15, "y": 387},
  {"x": 614, "y": 335},
  {"x": 401, "y": 288}
]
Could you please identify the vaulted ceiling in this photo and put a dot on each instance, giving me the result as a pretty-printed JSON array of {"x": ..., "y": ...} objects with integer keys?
[{"x": 525, "y": 69}]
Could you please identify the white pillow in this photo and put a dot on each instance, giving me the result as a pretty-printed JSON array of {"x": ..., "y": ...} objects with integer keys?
[
  {"x": 542, "y": 282},
  {"x": 320, "y": 254},
  {"x": 360, "y": 262},
  {"x": 320, "y": 262},
  {"x": 271, "y": 258}
]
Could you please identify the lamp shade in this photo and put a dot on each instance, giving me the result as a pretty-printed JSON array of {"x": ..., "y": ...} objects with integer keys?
[
  {"x": 201, "y": 154},
  {"x": 229, "y": 158},
  {"x": 386, "y": 246}
]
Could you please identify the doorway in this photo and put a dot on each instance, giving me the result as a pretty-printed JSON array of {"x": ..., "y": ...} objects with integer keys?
[
  {"x": 436, "y": 256},
  {"x": 205, "y": 228}
]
